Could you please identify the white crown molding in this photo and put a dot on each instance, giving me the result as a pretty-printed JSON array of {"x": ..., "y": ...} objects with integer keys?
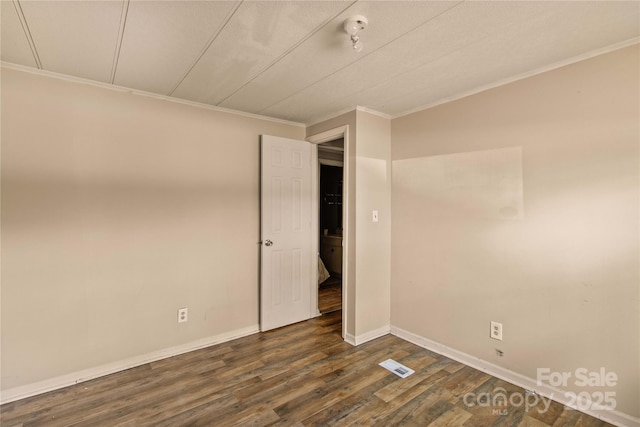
[
  {"x": 374, "y": 112},
  {"x": 348, "y": 110},
  {"x": 117, "y": 88},
  {"x": 551, "y": 67},
  {"x": 56, "y": 383},
  {"x": 331, "y": 116},
  {"x": 612, "y": 416}
]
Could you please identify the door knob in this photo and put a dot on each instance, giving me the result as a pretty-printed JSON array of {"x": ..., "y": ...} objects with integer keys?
[{"x": 268, "y": 243}]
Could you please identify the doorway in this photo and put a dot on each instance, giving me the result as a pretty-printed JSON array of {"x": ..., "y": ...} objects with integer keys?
[
  {"x": 330, "y": 216},
  {"x": 340, "y": 132}
]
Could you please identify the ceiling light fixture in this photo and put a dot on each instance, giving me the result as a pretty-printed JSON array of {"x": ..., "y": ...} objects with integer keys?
[{"x": 353, "y": 26}]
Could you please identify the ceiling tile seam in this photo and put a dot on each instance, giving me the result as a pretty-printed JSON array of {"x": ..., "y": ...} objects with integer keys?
[
  {"x": 213, "y": 38},
  {"x": 387, "y": 79},
  {"x": 417, "y": 66},
  {"x": 287, "y": 52},
  {"x": 364, "y": 56},
  {"x": 395, "y": 76},
  {"x": 27, "y": 32},
  {"x": 512, "y": 79},
  {"x": 121, "y": 29}
]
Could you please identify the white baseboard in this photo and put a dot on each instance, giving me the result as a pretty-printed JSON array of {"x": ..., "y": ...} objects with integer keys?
[
  {"x": 367, "y": 336},
  {"x": 51, "y": 384},
  {"x": 612, "y": 416},
  {"x": 350, "y": 338}
]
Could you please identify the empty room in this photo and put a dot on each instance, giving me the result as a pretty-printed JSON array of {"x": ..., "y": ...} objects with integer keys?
[{"x": 297, "y": 213}]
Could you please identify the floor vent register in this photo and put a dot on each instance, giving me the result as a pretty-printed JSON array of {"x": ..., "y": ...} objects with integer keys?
[{"x": 397, "y": 368}]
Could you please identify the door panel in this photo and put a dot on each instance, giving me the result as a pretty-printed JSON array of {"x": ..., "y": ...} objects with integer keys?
[{"x": 286, "y": 233}]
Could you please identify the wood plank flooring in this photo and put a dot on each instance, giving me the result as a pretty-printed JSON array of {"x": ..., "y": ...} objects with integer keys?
[
  {"x": 300, "y": 375},
  {"x": 330, "y": 296}
]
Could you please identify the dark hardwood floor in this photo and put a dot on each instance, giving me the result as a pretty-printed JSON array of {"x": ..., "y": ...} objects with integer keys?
[
  {"x": 330, "y": 295},
  {"x": 300, "y": 375}
]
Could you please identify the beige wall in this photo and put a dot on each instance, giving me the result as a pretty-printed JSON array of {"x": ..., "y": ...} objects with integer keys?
[
  {"x": 562, "y": 276},
  {"x": 118, "y": 209},
  {"x": 373, "y": 240}
]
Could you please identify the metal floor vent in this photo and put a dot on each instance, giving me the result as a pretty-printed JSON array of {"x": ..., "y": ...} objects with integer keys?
[{"x": 397, "y": 368}]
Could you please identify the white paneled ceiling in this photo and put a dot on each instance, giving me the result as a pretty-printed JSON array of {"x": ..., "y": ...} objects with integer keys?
[
  {"x": 164, "y": 39},
  {"x": 291, "y": 59},
  {"x": 76, "y": 38}
]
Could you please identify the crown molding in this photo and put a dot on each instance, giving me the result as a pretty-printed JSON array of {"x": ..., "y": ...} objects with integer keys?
[
  {"x": 348, "y": 110},
  {"x": 374, "y": 112},
  {"x": 117, "y": 88},
  {"x": 544, "y": 69},
  {"x": 331, "y": 116},
  {"x": 522, "y": 76}
]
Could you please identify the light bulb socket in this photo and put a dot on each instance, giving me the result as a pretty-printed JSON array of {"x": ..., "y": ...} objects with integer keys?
[{"x": 355, "y": 24}]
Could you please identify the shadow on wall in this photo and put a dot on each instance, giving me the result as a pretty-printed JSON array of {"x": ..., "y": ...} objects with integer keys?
[{"x": 478, "y": 184}]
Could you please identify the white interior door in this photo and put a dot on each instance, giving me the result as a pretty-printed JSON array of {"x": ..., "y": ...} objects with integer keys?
[{"x": 286, "y": 232}]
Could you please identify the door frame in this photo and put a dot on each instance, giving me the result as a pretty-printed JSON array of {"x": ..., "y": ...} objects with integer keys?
[{"x": 331, "y": 135}]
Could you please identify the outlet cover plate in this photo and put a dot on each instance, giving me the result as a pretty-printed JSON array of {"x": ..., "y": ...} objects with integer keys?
[
  {"x": 496, "y": 330},
  {"x": 183, "y": 314}
]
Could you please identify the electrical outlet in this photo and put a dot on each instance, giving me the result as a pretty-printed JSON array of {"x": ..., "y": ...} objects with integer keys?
[
  {"x": 496, "y": 330},
  {"x": 183, "y": 314}
]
